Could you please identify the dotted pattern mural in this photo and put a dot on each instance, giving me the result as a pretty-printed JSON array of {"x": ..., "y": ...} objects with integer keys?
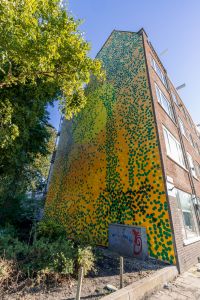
[{"x": 108, "y": 166}]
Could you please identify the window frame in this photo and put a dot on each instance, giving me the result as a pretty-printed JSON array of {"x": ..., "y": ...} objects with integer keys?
[
  {"x": 167, "y": 136},
  {"x": 161, "y": 98},
  {"x": 197, "y": 165},
  {"x": 182, "y": 127},
  {"x": 158, "y": 71},
  {"x": 175, "y": 98},
  {"x": 192, "y": 165},
  {"x": 190, "y": 121},
  {"x": 193, "y": 216},
  {"x": 191, "y": 140},
  {"x": 197, "y": 148}
]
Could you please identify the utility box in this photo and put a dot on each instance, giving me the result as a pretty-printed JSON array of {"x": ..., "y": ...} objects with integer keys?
[{"x": 128, "y": 240}]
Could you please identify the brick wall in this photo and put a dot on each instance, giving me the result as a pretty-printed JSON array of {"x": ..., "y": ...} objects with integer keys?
[{"x": 187, "y": 254}]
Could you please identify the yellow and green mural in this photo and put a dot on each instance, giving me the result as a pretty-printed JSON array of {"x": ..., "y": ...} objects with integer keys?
[{"x": 108, "y": 167}]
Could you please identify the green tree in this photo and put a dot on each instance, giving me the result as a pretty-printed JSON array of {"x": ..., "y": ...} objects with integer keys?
[
  {"x": 43, "y": 57},
  {"x": 39, "y": 169},
  {"x": 21, "y": 160},
  {"x": 40, "y": 40},
  {"x": 29, "y": 115},
  {"x": 8, "y": 130}
]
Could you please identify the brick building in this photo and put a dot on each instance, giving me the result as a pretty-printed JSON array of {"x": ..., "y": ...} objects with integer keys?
[{"x": 132, "y": 156}]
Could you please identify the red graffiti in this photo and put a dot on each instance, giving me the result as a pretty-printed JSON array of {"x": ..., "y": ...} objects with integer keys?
[{"x": 137, "y": 242}]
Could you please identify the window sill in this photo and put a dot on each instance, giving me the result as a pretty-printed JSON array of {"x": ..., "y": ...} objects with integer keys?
[
  {"x": 177, "y": 163},
  {"x": 191, "y": 241}
]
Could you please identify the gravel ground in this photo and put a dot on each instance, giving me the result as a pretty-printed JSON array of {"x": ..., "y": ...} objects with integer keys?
[{"x": 94, "y": 285}]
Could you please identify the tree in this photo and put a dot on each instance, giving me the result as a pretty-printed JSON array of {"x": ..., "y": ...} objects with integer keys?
[
  {"x": 30, "y": 117},
  {"x": 40, "y": 40},
  {"x": 43, "y": 57},
  {"x": 8, "y": 130},
  {"x": 21, "y": 159},
  {"x": 39, "y": 169}
]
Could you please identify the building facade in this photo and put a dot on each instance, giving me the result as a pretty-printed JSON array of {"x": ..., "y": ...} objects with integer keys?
[{"x": 132, "y": 156}]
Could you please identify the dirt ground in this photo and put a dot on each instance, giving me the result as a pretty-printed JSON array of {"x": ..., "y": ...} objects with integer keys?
[{"x": 94, "y": 285}]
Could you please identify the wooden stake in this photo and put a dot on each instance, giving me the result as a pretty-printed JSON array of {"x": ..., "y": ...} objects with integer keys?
[
  {"x": 121, "y": 271},
  {"x": 80, "y": 280}
]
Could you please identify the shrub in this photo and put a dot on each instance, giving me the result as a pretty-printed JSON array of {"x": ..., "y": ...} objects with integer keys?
[
  {"x": 54, "y": 256},
  {"x": 11, "y": 247},
  {"x": 45, "y": 254},
  {"x": 49, "y": 257},
  {"x": 62, "y": 264},
  {"x": 86, "y": 258},
  {"x": 50, "y": 229},
  {"x": 6, "y": 269},
  {"x": 8, "y": 229}
]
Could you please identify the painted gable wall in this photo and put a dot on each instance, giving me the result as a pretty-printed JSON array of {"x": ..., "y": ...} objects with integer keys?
[{"x": 108, "y": 166}]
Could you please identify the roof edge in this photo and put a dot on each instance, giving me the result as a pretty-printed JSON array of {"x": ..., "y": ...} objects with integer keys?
[
  {"x": 125, "y": 31},
  {"x": 105, "y": 42}
]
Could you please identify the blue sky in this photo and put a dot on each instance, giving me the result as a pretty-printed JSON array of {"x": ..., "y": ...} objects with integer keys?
[{"x": 171, "y": 24}]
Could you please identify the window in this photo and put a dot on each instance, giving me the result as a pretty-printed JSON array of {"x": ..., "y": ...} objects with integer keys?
[
  {"x": 186, "y": 115},
  {"x": 191, "y": 165},
  {"x": 187, "y": 133},
  {"x": 196, "y": 203},
  {"x": 197, "y": 166},
  {"x": 175, "y": 98},
  {"x": 182, "y": 127},
  {"x": 190, "y": 121},
  {"x": 184, "y": 112},
  {"x": 164, "y": 102},
  {"x": 158, "y": 71},
  {"x": 188, "y": 218},
  {"x": 197, "y": 148},
  {"x": 174, "y": 149},
  {"x": 191, "y": 140}
]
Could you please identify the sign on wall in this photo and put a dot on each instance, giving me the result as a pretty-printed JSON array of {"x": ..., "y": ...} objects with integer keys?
[{"x": 128, "y": 240}]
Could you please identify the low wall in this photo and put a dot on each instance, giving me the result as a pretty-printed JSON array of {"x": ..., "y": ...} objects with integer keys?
[{"x": 145, "y": 286}]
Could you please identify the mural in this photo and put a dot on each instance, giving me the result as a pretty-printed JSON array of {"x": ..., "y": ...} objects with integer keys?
[
  {"x": 137, "y": 242},
  {"x": 107, "y": 168}
]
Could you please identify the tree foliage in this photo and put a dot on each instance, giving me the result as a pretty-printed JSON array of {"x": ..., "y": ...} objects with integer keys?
[
  {"x": 43, "y": 57},
  {"x": 8, "y": 130},
  {"x": 40, "y": 40},
  {"x": 39, "y": 169},
  {"x": 30, "y": 117}
]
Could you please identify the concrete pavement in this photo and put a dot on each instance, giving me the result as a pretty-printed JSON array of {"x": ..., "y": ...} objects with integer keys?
[{"x": 186, "y": 286}]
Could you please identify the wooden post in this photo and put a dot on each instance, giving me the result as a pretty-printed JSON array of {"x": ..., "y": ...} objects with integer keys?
[
  {"x": 121, "y": 271},
  {"x": 79, "y": 285}
]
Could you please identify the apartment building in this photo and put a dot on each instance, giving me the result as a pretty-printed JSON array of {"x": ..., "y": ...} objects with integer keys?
[
  {"x": 132, "y": 156},
  {"x": 179, "y": 140}
]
